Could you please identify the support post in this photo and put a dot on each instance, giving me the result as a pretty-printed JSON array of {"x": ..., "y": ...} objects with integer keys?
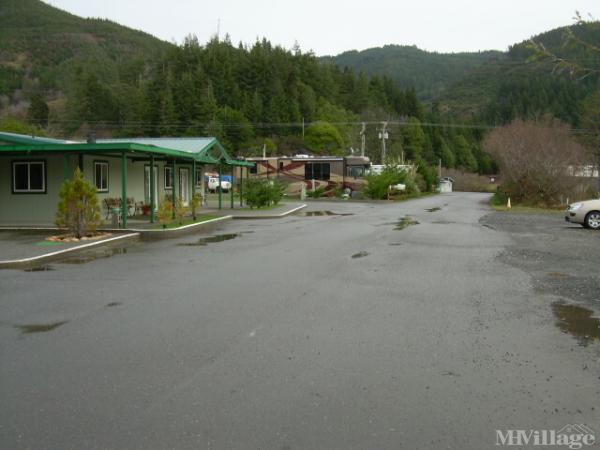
[
  {"x": 194, "y": 189},
  {"x": 124, "y": 188},
  {"x": 152, "y": 191},
  {"x": 231, "y": 189},
  {"x": 241, "y": 186},
  {"x": 67, "y": 167},
  {"x": 220, "y": 190},
  {"x": 175, "y": 186},
  {"x": 202, "y": 188}
]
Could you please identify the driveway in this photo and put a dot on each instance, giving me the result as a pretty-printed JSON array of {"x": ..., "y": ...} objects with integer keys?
[{"x": 354, "y": 328}]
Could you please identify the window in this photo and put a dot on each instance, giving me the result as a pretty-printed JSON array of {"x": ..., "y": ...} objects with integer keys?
[
  {"x": 198, "y": 177},
  {"x": 254, "y": 169},
  {"x": 281, "y": 166},
  {"x": 356, "y": 171},
  {"x": 168, "y": 177},
  {"x": 29, "y": 177},
  {"x": 101, "y": 176},
  {"x": 317, "y": 171}
]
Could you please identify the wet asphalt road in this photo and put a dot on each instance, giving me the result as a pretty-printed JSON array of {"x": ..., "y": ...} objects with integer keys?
[{"x": 326, "y": 332}]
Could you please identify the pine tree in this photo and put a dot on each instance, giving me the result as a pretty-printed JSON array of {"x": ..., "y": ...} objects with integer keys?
[{"x": 38, "y": 111}]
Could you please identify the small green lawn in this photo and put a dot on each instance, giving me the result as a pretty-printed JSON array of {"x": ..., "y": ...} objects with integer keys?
[
  {"x": 498, "y": 203},
  {"x": 189, "y": 221}
]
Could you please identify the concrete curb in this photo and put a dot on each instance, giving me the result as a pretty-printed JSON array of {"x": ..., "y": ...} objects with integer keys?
[
  {"x": 272, "y": 216},
  {"x": 168, "y": 233},
  {"x": 25, "y": 262}
]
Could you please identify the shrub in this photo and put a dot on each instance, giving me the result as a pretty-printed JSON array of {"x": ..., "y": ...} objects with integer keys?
[
  {"x": 195, "y": 204},
  {"x": 180, "y": 210},
  {"x": 78, "y": 208},
  {"x": 317, "y": 193},
  {"x": 534, "y": 159},
  {"x": 260, "y": 192},
  {"x": 430, "y": 177},
  {"x": 378, "y": 184},
  {"x": 165, "y": 212}
]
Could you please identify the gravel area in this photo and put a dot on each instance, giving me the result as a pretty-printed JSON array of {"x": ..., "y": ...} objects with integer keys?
[{"x": 563, "y": 259}]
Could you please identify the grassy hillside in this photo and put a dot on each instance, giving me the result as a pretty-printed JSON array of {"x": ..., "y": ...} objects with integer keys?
[
  {"x": 428, "y": 73},
  {"x": 42, "y": 47}
]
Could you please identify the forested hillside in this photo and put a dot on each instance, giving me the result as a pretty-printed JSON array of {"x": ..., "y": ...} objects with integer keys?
[
  {"x": 42, "y": 49},
  {"x": 429, "y": 73},
  {"x": 71, "y": 76},
  {"x": 522, "y": 85},
  {"x": 67, "y": 76}
]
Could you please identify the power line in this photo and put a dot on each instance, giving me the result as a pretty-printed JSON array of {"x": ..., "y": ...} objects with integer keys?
[{"x": 183, "y": 125}]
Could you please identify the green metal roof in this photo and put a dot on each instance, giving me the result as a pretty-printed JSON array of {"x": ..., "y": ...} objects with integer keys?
[
  {"x": 191, "y": 145},
  {"x": 104, "y": 148},
  {"x": 208, "y": 147},
  {"x": 13, "y": 138},
  {"x": 206, "y": 150}
]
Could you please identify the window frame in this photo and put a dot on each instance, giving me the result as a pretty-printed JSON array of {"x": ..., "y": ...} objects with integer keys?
[
  {"x": 166, "y": 178},
  {"x": 28, "y": 162},
  {"x": 101, "y": 163},
  {"x": 317, "y": 174}
]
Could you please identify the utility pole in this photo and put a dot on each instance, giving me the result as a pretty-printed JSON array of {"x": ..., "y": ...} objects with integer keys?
[
  {"x": 363, "y": 139},
  {"x": 383, "y": 135}
]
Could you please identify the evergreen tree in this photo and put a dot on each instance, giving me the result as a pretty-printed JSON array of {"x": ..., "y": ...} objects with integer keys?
[{"x": 38, "y": 111}]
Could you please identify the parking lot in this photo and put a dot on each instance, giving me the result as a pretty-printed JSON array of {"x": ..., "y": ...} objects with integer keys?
[{"x": 424, "y": 324}]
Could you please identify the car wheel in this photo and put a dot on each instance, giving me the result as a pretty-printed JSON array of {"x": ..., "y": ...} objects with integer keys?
[{"x": 592, "y": 220}]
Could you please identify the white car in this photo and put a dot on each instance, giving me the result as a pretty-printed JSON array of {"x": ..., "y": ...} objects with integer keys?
[
  {"x": 213, "y": 185},
  {"x": 585, "y": 213}
]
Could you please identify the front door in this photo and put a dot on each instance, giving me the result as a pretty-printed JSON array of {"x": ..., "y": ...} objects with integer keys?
[
  {"x": 147, "y": 199},
  {"x": 184, "y": 185}
]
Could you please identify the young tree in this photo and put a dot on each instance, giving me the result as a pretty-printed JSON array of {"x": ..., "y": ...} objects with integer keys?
[{"x": 78, "y": 208}]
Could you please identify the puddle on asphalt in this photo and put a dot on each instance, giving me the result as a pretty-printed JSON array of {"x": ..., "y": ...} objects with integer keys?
[
  {"x": 113, "y": 304},
  {"x": 405, "y": 222},
  {"x": 395, "y": 244},
  {"x": 87, "y": 257},
  {"x": 321, "y": 213},
  {"x": 437, "y": 208},
  {"x": 210, "y": 240},
  {"x": 360, "y": 255},
  {"x": 578, "y": 322},
  {"x": 38, "y": 269},
  {"x": 39, "y": 327}
]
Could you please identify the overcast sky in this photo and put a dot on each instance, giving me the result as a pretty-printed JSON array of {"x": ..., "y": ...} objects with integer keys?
[{"x": 331, "y": 27}]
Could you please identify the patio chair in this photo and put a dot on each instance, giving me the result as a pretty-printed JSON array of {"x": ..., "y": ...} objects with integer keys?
[
  {"x": 139, "y": 208},
  {"x": 130, "y": 206},
  {"x": 110, "y": 204}
]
